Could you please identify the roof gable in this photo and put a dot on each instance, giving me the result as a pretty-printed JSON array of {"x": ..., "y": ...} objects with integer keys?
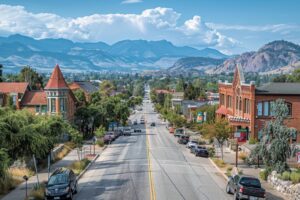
[
  {"x": 34, "y": 98},
  {"x": 56, "y": 80},
  {"x": 238, "y": 75}
]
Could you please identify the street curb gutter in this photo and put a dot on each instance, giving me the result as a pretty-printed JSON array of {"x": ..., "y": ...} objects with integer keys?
[
  {"x": 213, "y": 163},
  {"x": 88, "y": 166}
]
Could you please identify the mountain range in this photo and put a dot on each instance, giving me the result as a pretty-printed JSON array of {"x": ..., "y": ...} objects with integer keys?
[{"x": 17, "y": 51}]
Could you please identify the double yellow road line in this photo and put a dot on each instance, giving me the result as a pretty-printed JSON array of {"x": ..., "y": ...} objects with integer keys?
[{"x": 151, "y": 181}]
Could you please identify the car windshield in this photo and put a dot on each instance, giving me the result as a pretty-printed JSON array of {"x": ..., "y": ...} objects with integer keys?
[
  {"x": 193, "y": 142},
  {"x": 252, "y": 182},
  {"x": 58, "y": 179}
]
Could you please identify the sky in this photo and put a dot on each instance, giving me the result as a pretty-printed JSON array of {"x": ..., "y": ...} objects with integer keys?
[{"x": 231, "y": 26}]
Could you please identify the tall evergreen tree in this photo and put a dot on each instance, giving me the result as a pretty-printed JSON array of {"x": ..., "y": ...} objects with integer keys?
[{"x": 1, "y": 72}]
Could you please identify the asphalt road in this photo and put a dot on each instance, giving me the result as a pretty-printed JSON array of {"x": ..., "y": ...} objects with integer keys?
[{"x": 151, "y": 165}]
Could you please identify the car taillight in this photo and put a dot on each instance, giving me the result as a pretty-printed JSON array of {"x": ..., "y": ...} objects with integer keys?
[{"x": 241, "y": 189}]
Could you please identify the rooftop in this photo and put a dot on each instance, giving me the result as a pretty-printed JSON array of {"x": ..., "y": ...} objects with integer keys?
[
  {"x": 279, "y": 88},
  {"x": 56, "y": 80},
  {"x": 13, "y": 87},
  {"x": 34, "y": 98},
  {"x": 84, "y": 85}
]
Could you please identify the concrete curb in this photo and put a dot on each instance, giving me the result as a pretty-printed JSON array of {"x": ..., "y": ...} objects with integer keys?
[
  {"x": 213, "y": 163},
  {"x": 92, "y": 162}
]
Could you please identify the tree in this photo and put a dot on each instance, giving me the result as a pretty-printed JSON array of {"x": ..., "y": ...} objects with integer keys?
[
  {"x": 100, "y": 131},
  {"x": 106, "y": 88},
  {"x": 180, "y": 85},
  {"x": 27, "y": 74},
  {"x": 80, "y": 96},
  {"x": 220, "y": 130},
  {"x": 274, "y": 147}
]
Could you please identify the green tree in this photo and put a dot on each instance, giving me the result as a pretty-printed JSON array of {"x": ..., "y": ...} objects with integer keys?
[
  {"x": 80, "y": 96},
  {"x": 1, "y": 72},
  {"x": 274, "y": 147},
  {"x": 106, "y": 88},
  {"x": 220, "y": 130},
  {"x": 180, "y": 85},
  {"x": 100, "y": 131},
  {"x": 27, "y": 74}
]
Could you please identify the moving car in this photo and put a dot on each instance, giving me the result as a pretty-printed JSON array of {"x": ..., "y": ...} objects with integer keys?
[
  {"x": 62, "y": 184},
  {"x": 127, "y": 131},
  {"x": 135, "y": 122},
  {"x": 201, "y": 153},
  {"x": 245, "y": 187},
  {"x": 152, "y": 124},
  {"x": 183, "y": 139},
  {"x": 137, "y": 130},
  {"x": 109, "y": 137},
  {"x": 191, "y": 144}
]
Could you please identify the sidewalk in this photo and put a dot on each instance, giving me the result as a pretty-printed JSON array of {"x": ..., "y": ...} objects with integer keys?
[
  {"x": 229, "y": 158},
  {"x": 19, "y": 193}
]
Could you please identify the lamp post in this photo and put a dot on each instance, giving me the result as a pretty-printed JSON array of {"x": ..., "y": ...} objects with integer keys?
[{"x": 26, "y": 179}]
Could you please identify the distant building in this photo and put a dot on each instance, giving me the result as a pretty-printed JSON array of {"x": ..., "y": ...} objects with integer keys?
[
  {"x": 248, "y": 108},
  {"x": 212, "y": 98},
  {"x": 87, "y": 87},
  {"x": 188, "y": 106},
  {"x": 177, "y": 98},
  {"x": 55, "y": 99}
]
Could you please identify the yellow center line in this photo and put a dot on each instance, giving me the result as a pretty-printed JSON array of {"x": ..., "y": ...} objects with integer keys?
[{"x": 151, "y": 182}]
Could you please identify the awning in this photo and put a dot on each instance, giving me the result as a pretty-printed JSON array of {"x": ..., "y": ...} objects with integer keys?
[{"x": 222, "y": 111}]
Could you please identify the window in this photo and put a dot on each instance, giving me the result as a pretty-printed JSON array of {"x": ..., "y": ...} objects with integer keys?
[
  {"x": 222, "y": 98},
  {"x": 237, "y": 103},
  {"x": 53, "y": 105},
  {"x": 37, "y": 109},
  {"x": 259, "y": 109},
  {"x": 266, "y": 108},
  {"x": 247, "y": 106},
  {"x": 289, "y": 105},
  {"x": 44, "y": 109},
  {"x": 271, "y": 108},
  {"x": 240, "y": 104},
  {"x": 62, "y": 103},
  {"x": 229, "y": 101}
]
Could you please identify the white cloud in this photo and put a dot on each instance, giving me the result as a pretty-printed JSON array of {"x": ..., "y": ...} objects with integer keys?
[
  {"x": 131, "y": 1},
  {"x": 274, "y": 28},
  {"x": 151, "y": 24}
]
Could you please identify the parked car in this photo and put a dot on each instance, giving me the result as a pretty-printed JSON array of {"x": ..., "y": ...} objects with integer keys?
[
  {"x": 183, "y": 139},
  {"x": 152, "y": 124},
  {"x": 142, "y": 121},
  {"x": 202, "y": 153},
  {"x": 179, "y": 131},
  {"x": 191, "y": 144},
  {"x": 127, "y": 131},
  {"x": 62, "y": 184},
  {"x": 245, "y": 187},
  {"x": 171, "y": 130},
  {"x": 109, "y": 137},
  {"x": 135, "y": 122},
  {"x": 196, "y": 148}
]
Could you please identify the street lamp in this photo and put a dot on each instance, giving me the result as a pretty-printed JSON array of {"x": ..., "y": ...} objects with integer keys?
[{"x": 26, "y": 179}]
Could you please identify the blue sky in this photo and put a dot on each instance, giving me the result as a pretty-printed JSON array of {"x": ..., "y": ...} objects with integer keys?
[{"x": 232, "y": 26}]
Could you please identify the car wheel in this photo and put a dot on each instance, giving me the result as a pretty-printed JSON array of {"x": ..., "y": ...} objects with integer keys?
[
  {"x": 236, "y": 196},
  {"x": 75, "y": 189},
  {"x": 228, "y": 189},
  {"x": 71, "y": 195}
]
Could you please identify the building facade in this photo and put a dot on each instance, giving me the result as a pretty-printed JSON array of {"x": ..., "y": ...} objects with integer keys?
[
  {"x": 55, "y": 99},
  {"x": 248, "y": 108},
  {"x": 87, "y": 87}
]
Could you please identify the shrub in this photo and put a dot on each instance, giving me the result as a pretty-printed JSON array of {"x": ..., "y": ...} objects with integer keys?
[
  {"x": 211, "y": 152},
  {"x": 79, "y": 166},
  {"x": 20, "y": 172},
  {"x": 201, "y": 142},
  {"x": 100, "y": 142},
  {"x": 263, "y": 174},
  {"x": 286, "y": 176},
  {"x": 252, "y": 140},
  {"x": 220, "y": 163},
  {"x": 37, "y": 192},
  {"x": 228, "y": 170},
  {"x": 243, "y": 156},
  {"x": 295, "y": 177}
]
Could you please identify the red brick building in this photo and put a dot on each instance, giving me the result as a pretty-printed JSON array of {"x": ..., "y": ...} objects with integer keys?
[
  {"x": 248, "y": 108},
  {"x": 55, "y": 99},
  {"x": 87, "y": 87}
]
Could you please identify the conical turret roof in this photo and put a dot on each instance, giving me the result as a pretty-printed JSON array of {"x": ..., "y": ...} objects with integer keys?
[{"x": 56, "y": 80}]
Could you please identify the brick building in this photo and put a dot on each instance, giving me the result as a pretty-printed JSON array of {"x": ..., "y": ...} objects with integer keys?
[
  {"x": 248, "y": 108},
  {"x": 56, "y": 98}
]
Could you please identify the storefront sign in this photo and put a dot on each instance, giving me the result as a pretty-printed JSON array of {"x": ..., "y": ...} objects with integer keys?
[{"x": 199, "y": 117}]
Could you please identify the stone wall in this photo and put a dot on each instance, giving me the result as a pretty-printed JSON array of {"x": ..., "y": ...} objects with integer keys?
[{"x": 285, "y": 187}]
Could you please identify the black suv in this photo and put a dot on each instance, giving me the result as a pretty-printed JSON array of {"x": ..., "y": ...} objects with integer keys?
[{"x": 62, "y": 184}]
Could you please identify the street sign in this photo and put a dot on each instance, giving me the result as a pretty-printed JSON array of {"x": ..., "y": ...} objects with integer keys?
[
  {"x": 199, "y": 117},
  {"x": 298, "y": 157},
  {"x": 237, "y": 134}
]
